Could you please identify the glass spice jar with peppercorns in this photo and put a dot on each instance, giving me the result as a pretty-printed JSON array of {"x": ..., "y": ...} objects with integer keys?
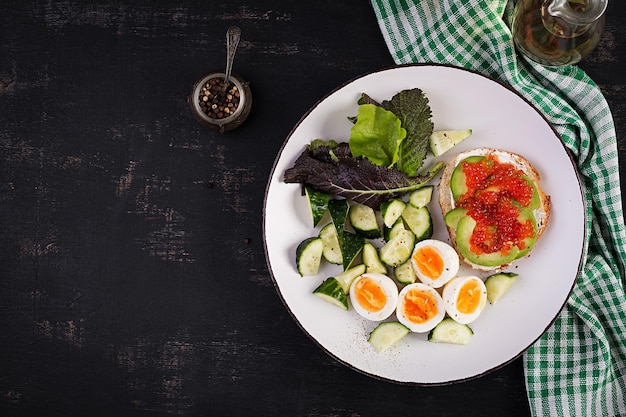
[{"x": 221, "y": 108}]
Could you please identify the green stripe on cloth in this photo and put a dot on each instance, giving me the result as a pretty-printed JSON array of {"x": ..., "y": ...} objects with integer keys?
[{"x": 578, "y": 367}]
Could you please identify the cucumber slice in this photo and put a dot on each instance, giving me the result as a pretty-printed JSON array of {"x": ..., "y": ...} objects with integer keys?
[
  {"x": 449, "y": 331},
  {"x": 338, "y": 210},
  {"x": 422, "y": 196},
  {"x": 453, "y": 216},
  {"x": 389, "y": 233},
  {"x": 391, "y": 211},
  {"x": 332, "y": 291},
  {"x": 371, "y": 260},
  {"x": 418, "y": 221},
  {"x": 441, "y": 141},
  {"x": 346, "y": 277},
  {"x": 387, "y": 334},
  {"x": 404, "y": 273},
  {"x": 498, "y": 284},
  {"x": 363, "y": 221},
  {"x": 399, "y": 249},
  {"x": 318, "y": 203},
  {"x": 351, "y": 247},
  {"x": 331, "y": 251},
  {"x": 309, "y": 256},
  {"x": 350, "y": 244}
]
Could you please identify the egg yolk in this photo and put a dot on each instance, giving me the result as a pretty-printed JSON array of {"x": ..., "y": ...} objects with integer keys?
[
  {"x": 370, "y": 295},
  {"x": 429, "y": 262},
  {"x": 469, "y": 297},
  {"x": 419, "y": 306}
]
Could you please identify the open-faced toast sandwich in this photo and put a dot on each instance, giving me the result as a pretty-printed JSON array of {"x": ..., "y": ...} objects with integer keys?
[{"x": 493, "y": 206}]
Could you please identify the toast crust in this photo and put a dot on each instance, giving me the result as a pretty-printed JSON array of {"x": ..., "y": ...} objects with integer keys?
[{"x": 446, "y": 201}]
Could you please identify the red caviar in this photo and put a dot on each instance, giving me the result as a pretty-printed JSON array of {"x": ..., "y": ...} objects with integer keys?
[{"x": 495, "y": 190}]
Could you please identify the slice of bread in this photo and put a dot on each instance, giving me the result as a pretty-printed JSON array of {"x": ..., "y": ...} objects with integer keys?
[{"x": 446, "y": 201}]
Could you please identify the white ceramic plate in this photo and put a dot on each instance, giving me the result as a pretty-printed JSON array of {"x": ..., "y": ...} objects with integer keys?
[{"x": 499, "y": 118}]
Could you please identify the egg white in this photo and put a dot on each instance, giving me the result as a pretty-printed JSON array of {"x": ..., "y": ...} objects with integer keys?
[
  {"x": 451, "y": 294},
  {"x": 390, "y": 289},
  {"x": 427, "y": 325},
  {"x": 450, "y": 262}
]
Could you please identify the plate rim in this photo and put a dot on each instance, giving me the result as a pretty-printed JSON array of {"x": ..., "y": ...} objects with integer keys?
[{"x": 392, "y": 68}]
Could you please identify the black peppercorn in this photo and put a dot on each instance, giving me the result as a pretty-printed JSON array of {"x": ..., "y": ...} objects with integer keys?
[
  {"x": 218, "y": 108},
  {"x": 216, "y": 102}
]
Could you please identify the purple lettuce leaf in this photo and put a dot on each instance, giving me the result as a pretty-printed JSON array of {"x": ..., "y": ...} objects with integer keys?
[{"x": 334, "y": 170}]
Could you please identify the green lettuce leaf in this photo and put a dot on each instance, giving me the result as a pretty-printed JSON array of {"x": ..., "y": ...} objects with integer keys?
[
  {"x": 315, "y": 143},
  {"x": 377, "y": 135},
  {"x": 412, "y": 108}
]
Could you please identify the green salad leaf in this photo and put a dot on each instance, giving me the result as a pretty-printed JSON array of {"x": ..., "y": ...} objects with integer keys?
[
  {"x": 316, "y": 143},
  {"x": 382, "y": 159},
  {"x": 377, "y": 135},
  {"x": 337, "y": 172},
  {"x": 413, "y": 110}
]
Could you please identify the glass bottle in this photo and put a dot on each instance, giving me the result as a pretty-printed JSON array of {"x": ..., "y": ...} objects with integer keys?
[{"x": 558, "y": 32}]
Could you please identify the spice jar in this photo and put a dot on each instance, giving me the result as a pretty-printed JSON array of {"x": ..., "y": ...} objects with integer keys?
[
  {"x": 558, "y": 32},
  {"x": 218, "y": 108}
]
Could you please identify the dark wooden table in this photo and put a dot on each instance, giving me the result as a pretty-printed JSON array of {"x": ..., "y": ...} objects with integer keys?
[{"x": 133, "y": 279}]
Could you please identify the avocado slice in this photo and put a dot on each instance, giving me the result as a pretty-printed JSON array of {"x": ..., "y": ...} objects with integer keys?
[
  {"x": 458, "y": 186},
  {"x": 464, "y": 230},
  {"x": 457, "y": 179},
  {"x": 535, "y": 202},
  {"x": 453, "y": 216},
  {"x": 526, "y": 214}
]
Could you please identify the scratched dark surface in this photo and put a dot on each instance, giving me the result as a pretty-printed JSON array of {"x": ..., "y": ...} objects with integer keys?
[{"x": 132, "y": 274}]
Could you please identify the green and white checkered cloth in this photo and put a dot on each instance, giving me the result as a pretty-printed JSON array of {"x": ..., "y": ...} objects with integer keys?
[{"x": 578, "y": 367}]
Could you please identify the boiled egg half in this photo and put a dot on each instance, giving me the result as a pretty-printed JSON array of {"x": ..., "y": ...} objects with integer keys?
[
  {"x": 435, "y": 262},
  {"x": 374, "y": 296},
  {"x": 465, "y": 298},
  {"x": 420, "y": 307}
]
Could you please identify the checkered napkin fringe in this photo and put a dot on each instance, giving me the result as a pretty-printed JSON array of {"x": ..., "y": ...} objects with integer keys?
[{"x": 578, "y": 367}]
